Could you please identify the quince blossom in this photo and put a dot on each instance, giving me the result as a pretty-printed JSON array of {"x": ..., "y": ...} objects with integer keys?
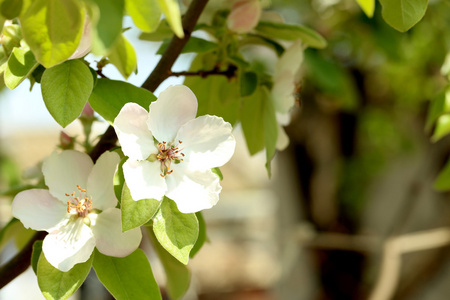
[
  {"x": 284, "y": 87},
  {"x": 78, "y": 211},
  {"x": 171, "y": 152}
]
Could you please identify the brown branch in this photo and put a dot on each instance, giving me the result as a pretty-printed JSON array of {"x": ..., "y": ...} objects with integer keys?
[
  {"x": 21, "y": 261},
  {"x": 230, "y": 72}
]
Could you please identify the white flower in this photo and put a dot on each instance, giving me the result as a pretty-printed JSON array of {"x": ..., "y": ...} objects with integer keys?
[
  {"x": 284, "y": 87},
  {"x": 78, "y": 211},
  {"x": 171, "y": 152}
]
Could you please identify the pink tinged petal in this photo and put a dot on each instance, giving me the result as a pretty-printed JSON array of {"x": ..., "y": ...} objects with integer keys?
[
  {"x": 244, "y": 15},
  {"x": 144, "y": 179},
  {"x": 100, "y": 183},
  {"x": 193, "y": 191},
  {"x": 175, "y": 106},
  {"x": 282, "y": 140},
  {"x": 133, "y": 133},
  {"x": 39, "y": 210},
  {"x": 291, "y": 59},
  {"x": 109, "y": 238},
  {"x": 64, "y": 171},
  {"x": 69, "y": 245},
  {"x": 207, "y": 142}
]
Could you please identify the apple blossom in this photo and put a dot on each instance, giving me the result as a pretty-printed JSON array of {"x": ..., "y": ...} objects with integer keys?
[
  {"x": 78, "y": 210},
  {"x": 171, "y": 152},
  {"x": 284, "y": 87},
  {"x": 244, "y": 15}
]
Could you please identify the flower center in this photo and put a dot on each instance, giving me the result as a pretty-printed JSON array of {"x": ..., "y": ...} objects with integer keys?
[
  {"x": 167, "y": 154},
  {"x": 80, "y": 204}
]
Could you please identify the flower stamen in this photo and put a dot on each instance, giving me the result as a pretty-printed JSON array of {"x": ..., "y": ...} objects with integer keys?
[
  {"x": 80, "y": 205},
  {"x": 167, "y": 154}
]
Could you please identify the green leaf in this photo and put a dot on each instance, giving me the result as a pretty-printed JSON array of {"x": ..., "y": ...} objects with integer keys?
[
  {"x": 252, "y": 119},
  {"x": 123, "y": 56},
  {"x": 368, "y": 7},
  {"x": 145, "y": 13},
  {"x": 109, "y": 96},
  {"x": 202, "y": 237},
  {"x": 442, "y": 182},
  {"x": 107, "y": 15},
  {"x": 11, "y": 36},
  {"x": 291, "y": 32},
  {"x": 175, "y": 231},
  {"x": 442, "y": 127},
  {"x": 195, "y": 45},
  {"x": 161, "y": 33},
  {"x": 11, "y": 9},
  {"x": 8, "y": 231},
  {"x": 218, "y": 173},
  {"x": 403, "y": 14},
  {"x": 127, "y": 278},
  {"x": 178, "y": 275},
  {"x": 249, "y": 82},
  {"x": 253, "y": 39},
  {"x": 66, "y": 89},
  {"x": 136, "y": 213},
  {"x": 270, "y": 128},
  {"x": 53, "y": 29},
  {"x": 37, "y": 250},
  {"x": 20, "y": 65},
  {"x": 439, "y": 105},
  {"x": 57, "y": 285},
  {"x": 171, "y": 10}
]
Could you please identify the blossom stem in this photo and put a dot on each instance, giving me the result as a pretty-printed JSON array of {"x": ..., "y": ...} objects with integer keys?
[
  {"x": 161, "y": 71},
  {"x": 230, "y": 72},
  {"x": 20, "y": 262}
]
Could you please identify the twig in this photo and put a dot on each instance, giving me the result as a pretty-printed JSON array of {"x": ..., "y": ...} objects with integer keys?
[{"x": 230, "y": 72}]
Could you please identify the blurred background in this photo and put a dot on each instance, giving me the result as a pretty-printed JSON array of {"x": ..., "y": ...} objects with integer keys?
[{"x": 350, "y": 211}]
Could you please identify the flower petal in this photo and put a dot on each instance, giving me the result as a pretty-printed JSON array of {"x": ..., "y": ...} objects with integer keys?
[
  {"x": 69, "y": 245},
  {"x": 174, "y": 107},
  {"x": 283, "y": 92},
  {"x": 193, "y": 190},
  {"x": 291, "y": 59},
  {"x": 64, "y": 171},
  {"x": 100, "y": 183},
  {"x": 133, "y": 133},
  {"x": 207, "y": 142},
  {"x": 144, "y": 179},
  {"x": 39, "y": 210},
  {"x": 109, "y": 238}
]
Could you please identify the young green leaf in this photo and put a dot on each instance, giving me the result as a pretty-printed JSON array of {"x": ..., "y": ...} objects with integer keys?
[
  {"x": 442, "y": 127},
  {"x": 171, "y": 10},
  {"x": 65, "y": 90},
  {"x": 109, "y": 15},
  {"x": 195, "y": 45},
  {"x": 37, "y": 250},
  {"x": 145, "y": 13},
  {"x": 136, "y": 213},
  {"x": 175, "y": 231},
  {"x": 178, "y": 275},
  {"x": 53, "y": 29},
  {"x": 291, "y": 32},
  {"x": 253, "y": 121},
  {"x": 58, "y": 285},
  {"x": 20, "y": 64},
  {"x": 161, "y": 33},
  {"x": 11, "y": 9},
  {"x": 127, "y": 278},
  {"x": 123, "y": 56},
  {"x": 403, "y": 14},
  {"x": 109, "y": 96},
  {"x": 368, "y": 7},
  {"x": 270, "y": 128},
  {"x": 249, "y": 82}
]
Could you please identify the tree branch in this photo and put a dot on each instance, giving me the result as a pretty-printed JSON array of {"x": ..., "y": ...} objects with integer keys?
[
  {"x": 21, "y": 261},
  {"x": 230, "y": 72}
]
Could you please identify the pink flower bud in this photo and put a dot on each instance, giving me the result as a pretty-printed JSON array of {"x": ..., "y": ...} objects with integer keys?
[
  {"x": 87, "y": 111},
  {"x": 65, "y": 141},
  {"x": 244, "y": 15}
]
